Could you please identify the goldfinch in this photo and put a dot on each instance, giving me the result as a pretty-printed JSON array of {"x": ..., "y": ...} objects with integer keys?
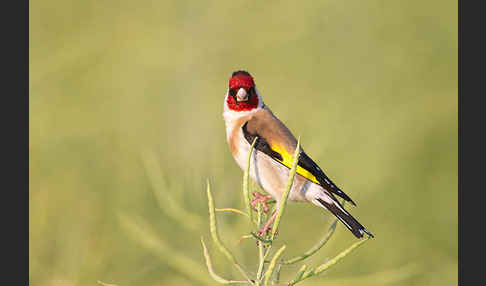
[{"x": 247, "y": 117}]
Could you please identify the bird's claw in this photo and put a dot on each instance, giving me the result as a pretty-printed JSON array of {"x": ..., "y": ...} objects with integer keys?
[
  {"x": 264, "y": 232},
  {"x": 259, "y": 198},
  {"x": 261, "y": 233}
]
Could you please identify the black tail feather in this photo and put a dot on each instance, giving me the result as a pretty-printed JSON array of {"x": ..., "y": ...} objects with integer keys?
[
  {"x": 307, "y": 163},
  {"x": 348, "y": 220}
]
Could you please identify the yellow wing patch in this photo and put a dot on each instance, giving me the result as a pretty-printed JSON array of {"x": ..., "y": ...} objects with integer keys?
[{"x": 287, "y": 161}]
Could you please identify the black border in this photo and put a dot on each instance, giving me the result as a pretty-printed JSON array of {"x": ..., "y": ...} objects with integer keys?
[
  {"x": 471, "y": 142},
  {"x": 14, "y": 120}
]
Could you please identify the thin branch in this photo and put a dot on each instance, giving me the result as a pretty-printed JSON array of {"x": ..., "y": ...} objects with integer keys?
[
  {"x": 298, "y": 277},
  {"x": 259, "y": 238},
  {"x": 215, "y": 235},
  {"x": 315, "y": 248},
  {"x": 272, "y": 265},
  {"x": 327, "y": 265},
  {"x": 283, "y": 201},
  {"x": 231, "y": 210},
  {"x": 277, "y": 274},
  {"x": 340, "y": 256},
  {"x": 260, "y": 246},
  {"x": 246, "y": 182},
  {"x": 215, "y": 276}
]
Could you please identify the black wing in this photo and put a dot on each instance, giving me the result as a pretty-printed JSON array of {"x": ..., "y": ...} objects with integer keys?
[
  {"x": 261, "y": 144},
  {"x": 307, "y": 163}
]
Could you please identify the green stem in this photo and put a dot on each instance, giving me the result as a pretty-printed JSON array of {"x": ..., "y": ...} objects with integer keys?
[
  {"x": 298, "y": 277},
  {"x": 259, "y": 238},
  {"x": 215, "y": 276},
  {"x": 215, "y": 235},
  {"x": 237, "y": 211},
  {"x": 315, "y": 248},
  {"x": 327, "y": 265},
  {"x": 340, "y": 256},
  {"x": 290, "y": 181},
  {"x": 277, "y": 274},
  {"x": 260, "y": 247},
  {"x": 272, "y": 265},
  {"x": 246, "y": 182}
]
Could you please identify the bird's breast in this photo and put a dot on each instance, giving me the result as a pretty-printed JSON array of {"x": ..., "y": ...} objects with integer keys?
[{"x": 234, "y": 134}]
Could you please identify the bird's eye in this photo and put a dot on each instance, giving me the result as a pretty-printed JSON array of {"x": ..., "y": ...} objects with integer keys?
[
  {"x": 251, "y": 91},
  {"x": 232, "y": 92}
]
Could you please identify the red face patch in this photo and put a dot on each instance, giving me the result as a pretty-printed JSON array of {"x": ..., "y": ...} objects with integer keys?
[
  {"x": 242, "y": 81},
  {"x": 242, "y": 105}
]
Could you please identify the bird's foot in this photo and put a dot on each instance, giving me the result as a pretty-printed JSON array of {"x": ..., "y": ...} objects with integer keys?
[
  {"x": 264, "y": 231},
  {"x": 266, "y": 228},
  {"x": 259, "y": 198}
]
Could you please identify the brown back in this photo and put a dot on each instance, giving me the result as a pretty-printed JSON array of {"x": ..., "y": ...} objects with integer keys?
[{"x": 270, "y": 128}]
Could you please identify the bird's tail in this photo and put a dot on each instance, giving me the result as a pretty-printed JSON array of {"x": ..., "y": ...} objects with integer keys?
[{"x": 348, "y": 220}]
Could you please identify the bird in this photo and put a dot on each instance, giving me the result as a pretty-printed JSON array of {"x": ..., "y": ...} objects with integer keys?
[{"x": 247, "y": 117}]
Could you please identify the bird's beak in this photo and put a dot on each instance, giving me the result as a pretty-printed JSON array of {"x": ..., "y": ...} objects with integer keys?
[{"x": 242, "y": 95}]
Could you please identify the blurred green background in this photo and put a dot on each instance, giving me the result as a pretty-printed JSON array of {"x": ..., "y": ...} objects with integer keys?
[{"x": 126, "y": 125}]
